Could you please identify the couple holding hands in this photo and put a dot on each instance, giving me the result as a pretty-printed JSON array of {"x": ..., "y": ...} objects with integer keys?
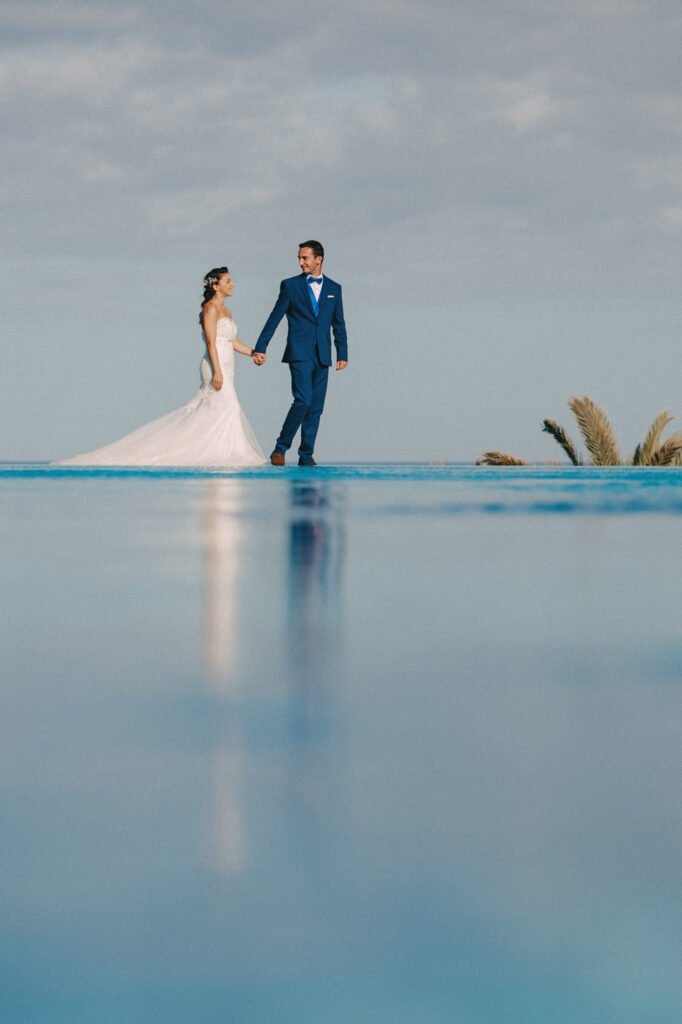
[{"x": 212, "y": 430}]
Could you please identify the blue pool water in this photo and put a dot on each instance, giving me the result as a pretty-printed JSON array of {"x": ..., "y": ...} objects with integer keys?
[{"x": 358, "y": 744}]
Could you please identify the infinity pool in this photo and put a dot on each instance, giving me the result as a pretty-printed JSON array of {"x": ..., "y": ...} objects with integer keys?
[{"x": 354, "y": 745}]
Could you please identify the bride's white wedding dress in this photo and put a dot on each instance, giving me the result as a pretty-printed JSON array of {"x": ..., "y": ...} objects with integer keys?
[{"x": 211, "y": 430}]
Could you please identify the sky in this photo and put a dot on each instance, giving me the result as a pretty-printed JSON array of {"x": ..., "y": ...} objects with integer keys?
[{"x": 498, "y": 187}]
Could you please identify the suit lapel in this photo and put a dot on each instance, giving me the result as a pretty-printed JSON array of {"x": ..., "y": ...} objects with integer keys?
[{"x": 307, "y": 296}]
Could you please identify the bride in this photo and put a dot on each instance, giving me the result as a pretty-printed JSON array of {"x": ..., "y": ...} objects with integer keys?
[{"x": 211, "y": 430}]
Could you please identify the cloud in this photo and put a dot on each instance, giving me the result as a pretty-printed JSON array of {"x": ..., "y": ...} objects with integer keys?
[
  {"x": 91, "y": 75},
  {"x": 163, "y": 127},
  {"x": 182, "y": 212},
  {"x": 524, "y": 106},
  {"x": 659, "y": 175},
  {"x": 672, "y": 218},
  {"x": 62, "y": 17}
]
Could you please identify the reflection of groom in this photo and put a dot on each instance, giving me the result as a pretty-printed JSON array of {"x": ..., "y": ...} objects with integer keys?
[{"x": 313, "y": 307}]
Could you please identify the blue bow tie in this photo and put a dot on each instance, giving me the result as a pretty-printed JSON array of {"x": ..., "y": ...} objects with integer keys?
[{"x": 314, "y": 280}]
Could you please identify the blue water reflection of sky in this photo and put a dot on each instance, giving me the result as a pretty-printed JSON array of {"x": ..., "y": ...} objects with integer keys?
[{"x": 360, "y": 746}]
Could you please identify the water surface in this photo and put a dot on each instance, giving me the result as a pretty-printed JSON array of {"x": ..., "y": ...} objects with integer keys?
[{"x": 367, "y": 743}]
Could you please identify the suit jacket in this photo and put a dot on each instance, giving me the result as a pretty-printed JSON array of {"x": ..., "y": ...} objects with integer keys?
[{"x": 307, "y": 332}]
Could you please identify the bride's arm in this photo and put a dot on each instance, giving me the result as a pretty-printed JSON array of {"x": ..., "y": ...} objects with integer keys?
[
  {"x": 239, "y": 346},
  {"x": 210, "y": 325}
]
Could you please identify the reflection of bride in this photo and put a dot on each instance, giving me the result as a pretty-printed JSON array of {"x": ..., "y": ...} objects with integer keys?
[
  {"x": 223, "y": 541},
  {"x": 222, "y": 553},
  {"x": 211, "y": 429}
]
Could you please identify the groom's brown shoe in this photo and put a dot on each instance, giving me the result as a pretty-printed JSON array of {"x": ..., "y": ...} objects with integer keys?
[
  {"x": 277, "y": 458},
  {"x": 308, "y": 462}
]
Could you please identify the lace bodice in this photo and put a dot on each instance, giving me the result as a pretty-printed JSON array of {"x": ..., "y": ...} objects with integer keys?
[{"x": 226, "y": 329}]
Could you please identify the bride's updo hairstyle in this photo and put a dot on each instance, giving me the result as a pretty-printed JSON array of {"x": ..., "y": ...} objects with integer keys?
[{"x": 210, "y": 281}]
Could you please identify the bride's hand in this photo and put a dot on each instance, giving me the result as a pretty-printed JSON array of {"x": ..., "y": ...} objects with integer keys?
[{"x": 217, "y": 381}]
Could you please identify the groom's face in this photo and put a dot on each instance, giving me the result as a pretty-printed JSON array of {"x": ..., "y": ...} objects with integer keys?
[{"x": 309, "y": 263}]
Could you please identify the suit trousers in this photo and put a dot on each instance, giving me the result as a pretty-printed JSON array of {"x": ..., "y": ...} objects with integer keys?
[{"x": 309, "y": 387}]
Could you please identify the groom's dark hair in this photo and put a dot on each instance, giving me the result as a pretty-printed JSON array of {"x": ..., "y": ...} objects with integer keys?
[{"x": 317, "y": 247}]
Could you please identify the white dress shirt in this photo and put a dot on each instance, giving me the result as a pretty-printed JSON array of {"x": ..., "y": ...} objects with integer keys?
[{"x": 314, "y": 287}]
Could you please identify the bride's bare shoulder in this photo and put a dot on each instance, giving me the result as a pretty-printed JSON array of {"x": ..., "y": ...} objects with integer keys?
[{"x": 209, "y": 313}]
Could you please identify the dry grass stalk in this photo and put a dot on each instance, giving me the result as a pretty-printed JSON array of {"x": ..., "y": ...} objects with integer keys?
[
  {"x": 597, "y": 432},
  {"x": 560, "y": 435},
  {"x": 668, "y": 452},
  {"x": 500, "y": 459},
  {"x": 645, "y": 451}
]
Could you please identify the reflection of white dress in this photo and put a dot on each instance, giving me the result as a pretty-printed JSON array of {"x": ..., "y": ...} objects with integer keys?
[{"x": 211, "y": 430}]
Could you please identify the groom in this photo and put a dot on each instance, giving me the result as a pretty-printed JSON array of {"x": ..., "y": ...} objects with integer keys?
[{"x": 313, "y": 307}]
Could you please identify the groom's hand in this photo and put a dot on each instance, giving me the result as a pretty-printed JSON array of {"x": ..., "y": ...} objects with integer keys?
[
  {"x": 341, "y": 365},
  {"x": 259, "y": 358}
]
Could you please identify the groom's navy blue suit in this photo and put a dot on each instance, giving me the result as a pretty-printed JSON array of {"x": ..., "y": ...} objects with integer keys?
[{"x": 308, "y": 352}]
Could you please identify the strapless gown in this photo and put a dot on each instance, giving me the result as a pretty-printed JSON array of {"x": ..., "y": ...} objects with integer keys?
[{"x": 211, "y": 430}]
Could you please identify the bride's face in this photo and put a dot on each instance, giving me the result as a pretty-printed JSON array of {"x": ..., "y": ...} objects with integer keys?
[{"x": 224, "y": 286}]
